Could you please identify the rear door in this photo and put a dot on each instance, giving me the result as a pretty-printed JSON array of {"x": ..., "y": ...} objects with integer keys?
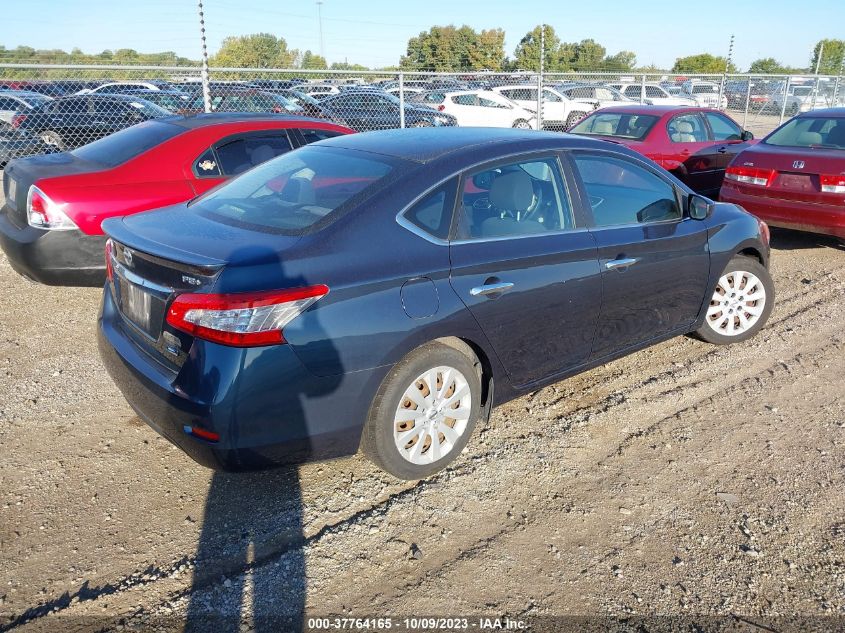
[
  {"x": 654, "y": 260},
  {"x": 525, "y": 267},
  {"x": 727, "y": 136}
]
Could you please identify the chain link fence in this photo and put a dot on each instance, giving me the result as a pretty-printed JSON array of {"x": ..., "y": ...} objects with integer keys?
[{"x": 46, "y": 108}]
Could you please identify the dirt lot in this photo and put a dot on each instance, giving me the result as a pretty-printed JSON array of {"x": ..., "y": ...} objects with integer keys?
[{"x": 685, "y": 479}]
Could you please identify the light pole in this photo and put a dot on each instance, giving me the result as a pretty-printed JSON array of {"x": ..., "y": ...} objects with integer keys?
[
  {"x": 206, "y": 93},
  {"x": 320, "y": 23}
]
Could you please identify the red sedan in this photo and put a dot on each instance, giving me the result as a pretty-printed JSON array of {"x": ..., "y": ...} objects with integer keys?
[
  {"x": 795, "y": 177},
  {"x": 55, "y": 204},
  {"x": 695, "y": 144}
]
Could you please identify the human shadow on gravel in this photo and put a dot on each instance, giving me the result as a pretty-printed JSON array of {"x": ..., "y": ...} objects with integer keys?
[{"x": 250, "y": 551}]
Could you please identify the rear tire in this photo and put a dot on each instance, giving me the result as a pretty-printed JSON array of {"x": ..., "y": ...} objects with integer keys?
[
  {"x": 432, "y": 395},
  {"x": 53, "y": 139},
  {"x": 573, "y": 118},
  {"x": 422, "y": 124},
  {"x": 741, "y": 303},
  {"x": 522, "y": 124}
]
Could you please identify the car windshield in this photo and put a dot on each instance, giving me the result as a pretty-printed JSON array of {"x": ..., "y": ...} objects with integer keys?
[
  {"x": 630, "y": 126},
  {"x": 807, "y": 131},
  {"x": 297, "y": 190},
  {"x": 119, "y": 147}
]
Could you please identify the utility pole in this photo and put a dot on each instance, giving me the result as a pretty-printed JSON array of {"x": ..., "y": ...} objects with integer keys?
[
  {"x": 206, "y": 93},
  {"x": 725, "y": 74},
  {"x": 539, "y": 117},
  {"x": 320, "y": 23},
  {"x": 816, "y": 86}
]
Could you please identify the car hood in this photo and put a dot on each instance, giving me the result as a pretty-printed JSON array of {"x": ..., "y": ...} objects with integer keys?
[{"x": 183, "y": 234}]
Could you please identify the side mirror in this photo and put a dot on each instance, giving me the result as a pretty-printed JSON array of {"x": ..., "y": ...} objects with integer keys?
[
  {"x": 746, "y": 135},
  {"x": 699, "y": 208}
]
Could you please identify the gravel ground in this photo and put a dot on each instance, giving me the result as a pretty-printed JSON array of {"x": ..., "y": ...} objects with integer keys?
[{"x": 686, "y": 479}]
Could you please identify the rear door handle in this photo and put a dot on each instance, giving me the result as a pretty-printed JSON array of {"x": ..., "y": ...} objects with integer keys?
[
  {"x": 621, "y": 264},
  {"x": 722, "y": 150},
  {"x": 491, "y": 289}
]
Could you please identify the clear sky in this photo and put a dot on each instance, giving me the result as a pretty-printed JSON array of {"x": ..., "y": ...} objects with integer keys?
[{"x": 375, "y": 32}]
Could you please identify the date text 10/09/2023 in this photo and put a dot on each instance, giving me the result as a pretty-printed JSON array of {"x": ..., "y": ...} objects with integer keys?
[{"x": 417, "y": 624}]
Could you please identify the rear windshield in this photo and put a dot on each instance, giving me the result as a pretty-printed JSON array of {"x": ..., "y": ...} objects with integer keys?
[
  {"x": 630, "y": 126},
  {"x": 826, "y": 132},
  {"x": 297, "y": 190},
  {"x": 698, "y": 89},
  {"x": 117, "y": 148}
]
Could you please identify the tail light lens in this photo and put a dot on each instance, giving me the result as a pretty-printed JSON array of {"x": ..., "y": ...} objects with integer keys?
[
  {"x": 242, "y": 319},
  {"x": 441, "y": 108},
  {"x": 43, "y": 213},
  {"x": 17, "y": 120},
  {"x": 751, "y": 175},
  {"x": 832, "y": 183}
]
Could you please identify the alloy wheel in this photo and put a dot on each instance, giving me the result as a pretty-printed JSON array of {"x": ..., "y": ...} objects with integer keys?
[{"x": 432, "y": 415}]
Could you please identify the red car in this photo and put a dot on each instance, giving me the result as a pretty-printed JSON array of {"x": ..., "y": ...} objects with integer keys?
[
  {"x": 795, "y": 177},
  {"x": 695, "y": 144},
  {"x": 55, "y": 204}
]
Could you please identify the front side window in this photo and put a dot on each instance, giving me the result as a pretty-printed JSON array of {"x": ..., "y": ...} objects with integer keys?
[
  {"x": 621, "y": 192},
  {"x": 723, "y": 128},
  {"x": 687, "y": 128},
  {"x": 297, "y": 191},
  {"x": 526, "y": 198},
  {"x": 245, "y": 153},
  {"x": 466, "y": 100}
]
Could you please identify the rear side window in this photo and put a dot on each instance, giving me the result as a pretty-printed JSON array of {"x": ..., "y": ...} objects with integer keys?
[
  {"x": 687, "y": 128},
  {"x": 433, "y": 214},
  {"x": 633, "y": 126},
  {"x": 121, "y": 146},
  {"x": 621, "y": 192},
  {"x": 312, "y": 136},
  {"x": 301, "y": 189},
  {"x": 245, "y": 153}
]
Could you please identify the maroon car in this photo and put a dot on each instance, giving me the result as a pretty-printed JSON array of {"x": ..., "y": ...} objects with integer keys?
[
  {"x": 695, "y": 144},
  {"x": 795, "y": 177}
]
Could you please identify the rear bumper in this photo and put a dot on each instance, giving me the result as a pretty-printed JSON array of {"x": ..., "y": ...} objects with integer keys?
[
  {"x": 790, "y": 214},
  {"x": 267, "y": 408},
  {"x": 55, "y": 258}
]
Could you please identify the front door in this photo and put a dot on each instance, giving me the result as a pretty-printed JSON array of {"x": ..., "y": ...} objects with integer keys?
[
  {"x": 529, "y": 275},
  {"x": 655, "y": 262}
]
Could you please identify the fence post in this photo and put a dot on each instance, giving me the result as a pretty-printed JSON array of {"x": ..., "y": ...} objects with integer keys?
[
  {"x": 206, "y": 91},
  {"x": 815, "y": 94},
  {"x": 401, "y": 99},
  {"x": 642, "y": 89},
  {"x": 539, "y": 116},
  {"x": 747, "y": 104},
  {"x": 785, "y": 95},
  {"x": 721, "y": 92}
]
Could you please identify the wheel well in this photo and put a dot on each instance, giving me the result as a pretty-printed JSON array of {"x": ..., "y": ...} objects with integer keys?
[
  {"x": 753, "y": 253},
  {"x": 474, "y": 351}
]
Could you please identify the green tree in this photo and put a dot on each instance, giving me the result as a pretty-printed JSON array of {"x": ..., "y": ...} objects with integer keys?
[
  {"x": 623, "y": 60},
  {"x": 312, "y": 61},
  {"x": 766, "y": 66},
  {"x": 259, "y": 50},
  {"x": 589, "y": 55},
  {"x": 347, "y": 66},
  {"x": 831, "y": 61},
  {"x": 704, "y": 63},
  {"x": 526, "y": 56},
  {"x": 446, "y": 48}
]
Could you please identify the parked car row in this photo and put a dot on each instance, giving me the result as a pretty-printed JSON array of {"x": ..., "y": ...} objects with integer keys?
[{"x": 278, "y": 288}]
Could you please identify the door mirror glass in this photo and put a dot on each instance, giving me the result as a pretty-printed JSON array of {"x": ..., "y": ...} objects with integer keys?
[
  {"x": 746, "y": 135},
  {"x": 699, "y": 208}
]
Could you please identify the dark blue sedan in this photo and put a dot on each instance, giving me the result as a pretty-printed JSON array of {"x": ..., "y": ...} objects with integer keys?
[{"x": 384, "y": 291}]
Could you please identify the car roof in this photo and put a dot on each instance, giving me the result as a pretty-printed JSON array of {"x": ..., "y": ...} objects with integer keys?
[
  {"x": 657, "y": 110},
  {"x": 192, "y": 121},
  {"x": 22, "y": 94},
  {"x": 830, "y": 113},
  {"x": 424, "y": 145}
]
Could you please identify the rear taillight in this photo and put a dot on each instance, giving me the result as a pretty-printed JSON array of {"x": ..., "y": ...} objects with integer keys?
[
  {"x": 43, "y": 213},
  {"x": 441, "y": 108},
  {"x": 832, "y": 183},
  {"x": 241, "y": 319},
  {"x": 750, "y": 175},
  {"x": 18, "y": 119},
  {"x": 109, "y": 266}
]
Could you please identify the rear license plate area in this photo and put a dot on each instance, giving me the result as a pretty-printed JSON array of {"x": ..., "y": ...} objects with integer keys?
[
  {"x": 140, "y": 307},
  {"x": 796, "y": 182}
]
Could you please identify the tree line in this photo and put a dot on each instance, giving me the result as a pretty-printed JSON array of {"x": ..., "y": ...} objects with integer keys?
[{"x": 443, "y": 49}]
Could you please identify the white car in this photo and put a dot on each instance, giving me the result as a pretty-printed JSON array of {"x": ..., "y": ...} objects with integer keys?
[
  {"x": 14, "y": 101},
  {"x": 125, "y": 87},
  {"x": 559, "y": 111},
  {"x": 654, "y": 94},
  {"x": 481, "y": 108},
  {"x": 597, "y": 96},
  {"x": 705, "y": 94},
  {"x": 318, "y": 91}
]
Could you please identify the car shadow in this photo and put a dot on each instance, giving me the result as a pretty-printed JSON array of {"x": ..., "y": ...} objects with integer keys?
[
  {"x": 788, "y": 240},
  {"x": 250, "y": 564}
]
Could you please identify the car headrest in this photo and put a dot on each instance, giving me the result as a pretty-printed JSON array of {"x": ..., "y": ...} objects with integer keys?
[
  {"x": 261, "y": 154},
  {"x": 809, "y": 138},
  {"x": 603, "y": 127},
  {"x": 836, "y": 135},
  {"x": 512, "y": 191},
  {"x": 298, "y": 191},
  {"x": 683, "y": 127}
]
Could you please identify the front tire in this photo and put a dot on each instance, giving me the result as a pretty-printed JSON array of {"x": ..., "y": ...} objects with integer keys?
[
  {"x": 741, "y": 303},
  {"x": 424, "y": 412}
]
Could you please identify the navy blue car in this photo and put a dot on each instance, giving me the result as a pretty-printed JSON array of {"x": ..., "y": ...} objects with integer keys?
[{"x": 384, "y": 291}]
